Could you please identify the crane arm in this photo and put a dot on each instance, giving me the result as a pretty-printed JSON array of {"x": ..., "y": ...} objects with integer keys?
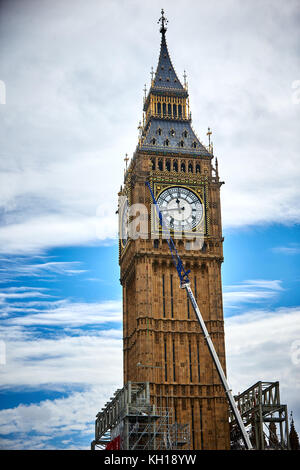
[{"x": 185, "y": 284}]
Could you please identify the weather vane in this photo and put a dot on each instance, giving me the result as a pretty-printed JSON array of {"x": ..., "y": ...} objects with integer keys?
[{"x": 163, "y": 20}]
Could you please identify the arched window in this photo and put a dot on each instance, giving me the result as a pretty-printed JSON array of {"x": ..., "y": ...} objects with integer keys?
[
  {"x": 158, "y": 131},
  {"x": 181, "y": 143},
  {"x": 158, "y": 108},
  {"x": 175, "y": 165},
  {"x": 174, "y": 110},
  {"x": 167, "y": 142},
  {"x": 156, "y": 243},
  {"x": 179, "y": 110},
  {"x": 164, "y": 109},
  {"x": 190, "y": 168},
  {"x": 169, "y": 109},
  {"x": 172, "y": 132},
  {"x": 153, "y": 163},
  {"x": 153, "y": 141},
  {"x": 194, "y": 144},
  {"x": 160, "y": 164},
  {"x": 183, "y": 167},
  {"x": 168, "y": 165},
  {"x": 184, "y": 134},
  {"x": 198, "y": 170}
]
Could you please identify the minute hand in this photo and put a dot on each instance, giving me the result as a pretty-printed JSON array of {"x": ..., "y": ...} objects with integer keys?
[{"x": 172, "y": 209}]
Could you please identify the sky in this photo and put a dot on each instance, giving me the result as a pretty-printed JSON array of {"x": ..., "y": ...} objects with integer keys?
[{"x": 72, "y": 75}]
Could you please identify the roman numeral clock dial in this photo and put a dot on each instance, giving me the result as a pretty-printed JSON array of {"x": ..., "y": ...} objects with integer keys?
[{"x": 181, "y": 209}]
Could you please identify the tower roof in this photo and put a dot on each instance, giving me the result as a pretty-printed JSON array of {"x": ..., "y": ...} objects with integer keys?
[{"x": 165, "y": 75}]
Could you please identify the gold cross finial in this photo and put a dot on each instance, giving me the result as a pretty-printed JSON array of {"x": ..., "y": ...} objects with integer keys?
[{"x": 163, "y": 20}]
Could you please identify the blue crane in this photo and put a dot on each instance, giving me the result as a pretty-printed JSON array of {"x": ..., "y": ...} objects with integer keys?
[{"x": 185, "y": 284}]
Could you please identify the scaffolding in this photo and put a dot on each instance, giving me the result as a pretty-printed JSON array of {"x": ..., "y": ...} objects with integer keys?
[
  {"x": 137, "y": 424},
  {"x": 265, "y": 418}
]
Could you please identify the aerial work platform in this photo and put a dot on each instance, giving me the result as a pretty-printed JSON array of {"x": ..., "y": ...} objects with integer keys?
[
  {"x": 265, "y": 418},
  {"x": 130, "y": 422}
]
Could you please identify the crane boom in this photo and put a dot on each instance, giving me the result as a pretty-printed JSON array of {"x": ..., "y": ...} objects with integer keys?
[{"x": 185, "y": 284}]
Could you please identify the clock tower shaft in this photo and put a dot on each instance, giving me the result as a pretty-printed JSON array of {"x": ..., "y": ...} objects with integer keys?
[{"x": 162, "y": 340}]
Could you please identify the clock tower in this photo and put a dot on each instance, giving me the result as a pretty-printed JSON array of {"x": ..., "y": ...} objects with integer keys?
[{"x": 162, "y": 340}]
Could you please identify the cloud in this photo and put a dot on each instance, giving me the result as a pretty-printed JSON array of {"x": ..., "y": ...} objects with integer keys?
[
  {"x": 260, "y": 345},
  {"x": 72, "y": 111},
  {"x": 290, "y": 249},
  {"x": 253, "y": 291},
  {"x": 36, "y": 425}
]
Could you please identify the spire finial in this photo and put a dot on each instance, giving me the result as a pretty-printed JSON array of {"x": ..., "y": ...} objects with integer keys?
[
  {"x": 185, "y": 77},
  {"x": 163, "y": 20},
  {"x": 126, "y": 160}
]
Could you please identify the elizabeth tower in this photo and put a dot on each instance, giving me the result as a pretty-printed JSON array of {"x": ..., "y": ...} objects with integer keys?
[{"x": 162, "y": 340}]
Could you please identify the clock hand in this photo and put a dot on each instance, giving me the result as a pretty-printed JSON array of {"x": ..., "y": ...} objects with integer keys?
[{"x": 172, "y": 209}]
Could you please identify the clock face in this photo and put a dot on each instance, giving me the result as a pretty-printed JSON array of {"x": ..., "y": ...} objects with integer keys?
[
  {"x": 181, "y": 209},
  {"x": 123, "y": 222}
]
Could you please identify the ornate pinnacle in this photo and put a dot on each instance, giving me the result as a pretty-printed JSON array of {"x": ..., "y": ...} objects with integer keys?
[
  {"x": 126, "y": 160},
  {"x": 163, "y": 20}
]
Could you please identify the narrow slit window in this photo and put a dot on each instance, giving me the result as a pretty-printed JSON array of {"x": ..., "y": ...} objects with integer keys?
[
  {"x": 171, "y": 291},
  {"x": 165, "y": 354},
  {"x": 174, "y": 361},
  {"x": 190, "y": 360},
  {"x": 163, "y": 293}
]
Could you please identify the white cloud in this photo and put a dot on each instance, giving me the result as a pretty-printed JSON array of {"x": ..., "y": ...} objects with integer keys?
[
  {"x": 254, "y": 291},
  {"x": 259, "y": 347},
  {"x": 36, "y": 424},
  {"x": 290, "y": 249},
  {"x": 73, "y": 108},
  {"x": 65, "y": 360}
]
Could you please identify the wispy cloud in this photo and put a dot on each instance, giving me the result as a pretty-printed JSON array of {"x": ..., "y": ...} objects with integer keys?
[
  {"x": 290, "y": 249},
  {"x": 57, "y": 188},
  {"x": 260, "y": 346},
  {"x": 251, "y": 291}
]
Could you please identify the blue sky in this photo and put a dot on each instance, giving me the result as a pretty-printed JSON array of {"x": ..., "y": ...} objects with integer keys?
[{"x": 70, "y": 115}]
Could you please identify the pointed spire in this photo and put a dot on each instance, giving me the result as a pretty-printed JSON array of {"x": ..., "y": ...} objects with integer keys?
[
  {"x": 163, "y": 20},
  {"x": 165, "y": 75}
]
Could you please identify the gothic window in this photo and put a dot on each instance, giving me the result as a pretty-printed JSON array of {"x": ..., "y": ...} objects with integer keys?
[
  {"x": 158, "y": 108},
  {"x": 175, "y": 165},
  {"x": 174, "y": 110},
  {"x": 179, "y": 110},
  {"x": 156, "y": 243},
  {"x": 198, "y": 168},
  {"x": 194, "y": 144},
  {"x": 164, "y": 109},
  {"x": 172, "y": 132},
  {"x": 167, "y": 142},
  {"x": 153, "y": 141},
  {"x": 184, "y": 134},
  {"x": 160, "y": 164},
  {"x": 153, "y": 163},
  {"x": 169, "y": 109},
  {"x": 181, "y": 143},
  {"x": 183, "y": 167},
  {"x": 159, "y": 131},
  {"x": 168, "y": 79},
  {"x": 168, "y": 165},
  {"x": 190, "y": 168}
]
